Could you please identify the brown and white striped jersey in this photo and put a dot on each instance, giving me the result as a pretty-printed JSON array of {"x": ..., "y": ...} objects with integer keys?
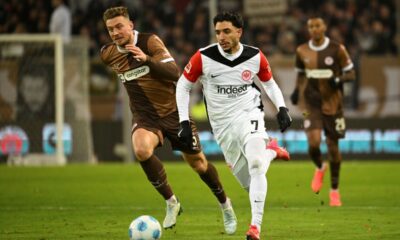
[
  {"x": 151, "y": 84},
  {"x": 319, "y": 64}
]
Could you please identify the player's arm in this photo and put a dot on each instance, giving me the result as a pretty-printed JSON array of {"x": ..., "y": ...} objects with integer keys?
[
  {"x": 159, "y": 59},
  {"x": 348, "y": 73},
  {"x": 191, "y": 73},
  {"x": 300, "y": 79},
  {"x": 274, "y": 93}
]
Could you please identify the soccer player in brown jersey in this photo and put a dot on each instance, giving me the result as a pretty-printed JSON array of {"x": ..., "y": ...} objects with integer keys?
[
  {"x": 323, "y": 65},
  {"x": 149, "y": 75}
]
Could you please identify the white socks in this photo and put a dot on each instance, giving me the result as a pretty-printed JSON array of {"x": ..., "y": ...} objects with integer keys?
[
  {"x": 259, "y": 159},
  {"x": 257, "y": 194}
]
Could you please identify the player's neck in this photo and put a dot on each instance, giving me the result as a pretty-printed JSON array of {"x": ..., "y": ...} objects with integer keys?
[
  {"x": 235, "y": 49},
  {"x": 318, "y": 42}
]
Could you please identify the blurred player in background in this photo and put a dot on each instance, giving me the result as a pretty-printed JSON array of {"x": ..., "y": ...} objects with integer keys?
[
  {"x": 323, "y": 66},
  {"x": 149, "y": 74},
  {"x": 227, "y": 71}
]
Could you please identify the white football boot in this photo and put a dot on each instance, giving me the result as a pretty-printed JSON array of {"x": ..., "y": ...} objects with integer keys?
[
  {"x": 230, "y": 221},
  {"x": 173, "y": 210}
]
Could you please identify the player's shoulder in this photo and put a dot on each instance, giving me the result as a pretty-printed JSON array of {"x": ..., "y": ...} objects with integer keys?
[
  {"x": 209, "y": 49},
  {"x": 107, "y": 50},
  {"x": 335, "y": 44},
  {"x": 107, "y": 47},
  {"x": 250, "y": 51},
  {"x": 302, "y": 47}
]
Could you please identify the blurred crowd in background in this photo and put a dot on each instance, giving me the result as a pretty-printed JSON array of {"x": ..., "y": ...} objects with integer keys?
[{"x": 364, "y": 26}]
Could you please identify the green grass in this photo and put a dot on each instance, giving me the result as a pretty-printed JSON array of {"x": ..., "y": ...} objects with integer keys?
[{"x": 99, "y": 202}]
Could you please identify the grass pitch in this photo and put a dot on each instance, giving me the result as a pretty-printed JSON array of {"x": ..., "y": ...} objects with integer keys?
[{"x": 99, "y": 202}]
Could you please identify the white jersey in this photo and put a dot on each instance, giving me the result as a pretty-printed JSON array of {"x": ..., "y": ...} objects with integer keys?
[{"x": 228, "y": 81}]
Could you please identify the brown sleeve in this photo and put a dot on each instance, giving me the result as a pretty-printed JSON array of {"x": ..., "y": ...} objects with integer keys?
[
  {"x": 104, "y": 53},
  {"x": 345, "y": 60},
  {"x": 299, "y": 64},
  {"x": 158, "y": 53}
]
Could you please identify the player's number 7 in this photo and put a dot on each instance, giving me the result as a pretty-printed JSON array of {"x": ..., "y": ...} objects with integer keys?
[{"x": 255, "y": 122}]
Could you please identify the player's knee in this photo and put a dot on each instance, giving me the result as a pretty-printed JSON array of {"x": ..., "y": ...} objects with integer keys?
[
  {"x": 200, "y": 166},
  {"x": 255, "y": 165},
  {"x": 143, "y": 153}
]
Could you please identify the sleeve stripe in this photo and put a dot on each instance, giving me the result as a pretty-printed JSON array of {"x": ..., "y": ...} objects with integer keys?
[
  {"x": 167, "y": 60},
  {"x": 299, "y": 70},
  {"x": 348, "y": 67}
]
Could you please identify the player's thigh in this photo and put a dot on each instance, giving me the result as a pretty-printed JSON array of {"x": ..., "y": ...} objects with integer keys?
[
  {"x": 313, "y": 125},
  {"x": 170, "y": 126},
  {"x": 241, "y": 173},
  {"x": 144, "y": 138}
]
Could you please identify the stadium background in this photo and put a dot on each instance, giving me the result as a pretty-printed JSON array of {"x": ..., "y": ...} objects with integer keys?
[{"x": 369, "y": 29}]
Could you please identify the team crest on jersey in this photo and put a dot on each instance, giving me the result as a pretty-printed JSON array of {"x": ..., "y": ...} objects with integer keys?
[
  {"x": 188, "y": 67},
  {"x": 328, "y": 60},
  {"x": 246, "y": 75}
]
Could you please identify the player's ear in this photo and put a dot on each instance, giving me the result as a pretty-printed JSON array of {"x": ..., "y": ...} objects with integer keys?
[
  {"x": 131, "y": 24},
  {"x": 240, "y": 31}
]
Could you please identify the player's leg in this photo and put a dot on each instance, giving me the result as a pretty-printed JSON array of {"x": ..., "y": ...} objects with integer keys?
[
  {"x": 208, "y": 173},
  {"x": 258, "y": 159},
  {"x": 314, "y": 141},
  {"x": 335, "y": 162},
  {"x": 144, "y": 142},
  {"x": 335, "y": 129},
  {"x": 196, "y": 159}
]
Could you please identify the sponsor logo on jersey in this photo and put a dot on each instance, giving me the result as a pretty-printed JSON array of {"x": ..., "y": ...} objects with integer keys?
[
  {"x": 319, "y": 73},
  {"x": 134, "y": 73},
  {"x": 232, "y": 90},
  {"x": 246, "y": 75},
  {"x": 215, "y": 75}
]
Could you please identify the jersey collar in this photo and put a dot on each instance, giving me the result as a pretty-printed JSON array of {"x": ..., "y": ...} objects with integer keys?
[
  {"x": 229, "y": 56},
  {"x": 135, "y": 39},
  {"x": 319, "y": 48}
]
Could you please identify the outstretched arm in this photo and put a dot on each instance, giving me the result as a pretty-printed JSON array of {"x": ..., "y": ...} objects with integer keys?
[{"x": 183, "y": 88}]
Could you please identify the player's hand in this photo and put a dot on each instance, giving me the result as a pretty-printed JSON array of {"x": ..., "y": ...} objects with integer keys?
[
  {"x": 138, "y": 54},
  {"x": 294, "y": 97},
  {"x": 185, "y": 134},
  {"x": 284, "y": 119},
  {"x": 335, "y": 82}
]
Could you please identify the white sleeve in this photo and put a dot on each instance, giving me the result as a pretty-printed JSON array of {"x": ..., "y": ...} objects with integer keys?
[
  {"x": 274, "y": 93},
  {"x": 183, "y": 88}
]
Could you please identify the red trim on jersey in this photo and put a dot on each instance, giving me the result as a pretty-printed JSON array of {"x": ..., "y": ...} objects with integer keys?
[
  {"x": 264, "y": 73},
  {"x": 194, "y": 69}
]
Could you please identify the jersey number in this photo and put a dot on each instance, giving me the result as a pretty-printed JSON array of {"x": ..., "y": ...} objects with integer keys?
[
  {"x": 255, "y": 123},
  {"x": 340, "y": 124}
]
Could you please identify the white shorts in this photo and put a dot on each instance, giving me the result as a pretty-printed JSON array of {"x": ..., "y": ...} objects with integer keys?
[{"x": 233, "y": 138}]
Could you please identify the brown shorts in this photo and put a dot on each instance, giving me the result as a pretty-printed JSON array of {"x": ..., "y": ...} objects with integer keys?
[
  {"x": 168, "y": 127},
  {"x": 334, "y": 125}
]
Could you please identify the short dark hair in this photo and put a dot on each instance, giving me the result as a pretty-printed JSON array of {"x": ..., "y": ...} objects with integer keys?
[
  {"x": 115, "y": 12},
  {"x": 233, "y": 17}
]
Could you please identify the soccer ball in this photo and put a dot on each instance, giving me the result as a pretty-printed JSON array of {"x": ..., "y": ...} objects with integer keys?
[{"x": 145, "y": 228}]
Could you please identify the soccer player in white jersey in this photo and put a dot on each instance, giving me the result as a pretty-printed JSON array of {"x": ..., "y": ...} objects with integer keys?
[{"x": 227, "y": 71}]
